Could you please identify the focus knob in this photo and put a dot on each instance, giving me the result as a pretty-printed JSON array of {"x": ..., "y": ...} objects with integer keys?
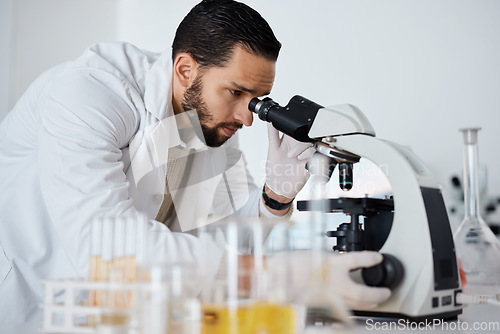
[{"x": 388, "y": 273}]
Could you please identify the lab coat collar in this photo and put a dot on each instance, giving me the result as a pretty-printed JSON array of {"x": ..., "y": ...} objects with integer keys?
[
  {"x": 158, "y": 87},
  {"x": 182, "y": 128},
  {"x": 149, "y": 149}
]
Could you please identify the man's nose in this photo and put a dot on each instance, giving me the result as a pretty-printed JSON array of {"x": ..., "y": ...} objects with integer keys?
[{"x": 243, "y": 115}]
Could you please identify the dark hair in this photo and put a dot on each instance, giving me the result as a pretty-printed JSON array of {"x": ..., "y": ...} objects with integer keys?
[{"x": 212, "y": 29}]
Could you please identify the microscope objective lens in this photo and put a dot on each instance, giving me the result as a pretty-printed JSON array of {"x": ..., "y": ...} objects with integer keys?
[{"x": 345, "y": 176}]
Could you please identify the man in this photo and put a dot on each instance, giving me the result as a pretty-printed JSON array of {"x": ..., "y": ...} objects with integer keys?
[{"x": 120, "y": 131}]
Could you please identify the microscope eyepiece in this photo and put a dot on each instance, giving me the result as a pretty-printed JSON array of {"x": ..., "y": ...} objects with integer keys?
[
  {"x": 254, "y": 105},
  {"x": 262, "y": 107},
  {"x": 295, "y": 119}
]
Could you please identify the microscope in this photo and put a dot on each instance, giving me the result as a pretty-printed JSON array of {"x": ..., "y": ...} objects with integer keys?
[{"x": 410, "y": 228}]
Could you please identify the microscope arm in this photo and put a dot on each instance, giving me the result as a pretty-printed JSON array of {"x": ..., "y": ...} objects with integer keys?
[{"x": 340, "y": 120}]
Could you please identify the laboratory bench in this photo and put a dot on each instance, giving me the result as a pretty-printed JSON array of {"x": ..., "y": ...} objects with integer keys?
[{"x": 474, "y": 319}]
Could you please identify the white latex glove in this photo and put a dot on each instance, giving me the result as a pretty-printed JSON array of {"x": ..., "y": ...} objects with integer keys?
[
  {"x": 286, "y": 174},
  {"x": 355, "y": 295}
]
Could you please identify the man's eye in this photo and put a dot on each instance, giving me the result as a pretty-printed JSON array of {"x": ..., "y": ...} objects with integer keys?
[{"x": 235, "y": 92}]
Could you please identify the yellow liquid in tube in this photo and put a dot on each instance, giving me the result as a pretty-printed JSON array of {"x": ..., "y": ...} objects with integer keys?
[
  {"x": 271, "y": 318},
  {"x": 93, "y": 276},
  {"x": 258, "y": 318}
]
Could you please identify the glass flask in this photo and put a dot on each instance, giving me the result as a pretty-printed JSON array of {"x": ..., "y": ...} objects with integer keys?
[{"x": 477, "y": 248}]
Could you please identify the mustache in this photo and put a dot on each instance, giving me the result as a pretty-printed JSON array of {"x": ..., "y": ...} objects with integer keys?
[{"x": 232, "y": 125}]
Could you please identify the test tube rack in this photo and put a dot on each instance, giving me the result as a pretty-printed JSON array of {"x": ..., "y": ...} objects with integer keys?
[{"x": 66, "y": 310}]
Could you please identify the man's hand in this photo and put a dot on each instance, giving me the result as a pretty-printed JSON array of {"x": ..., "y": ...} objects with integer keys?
[
  {"x": 356, "y": 295},
  {"x": 285, "y": 168},
  {"x": 337, "y": 268}
]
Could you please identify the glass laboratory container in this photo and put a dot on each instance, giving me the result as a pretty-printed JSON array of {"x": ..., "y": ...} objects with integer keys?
[
  {"x": 167, "y": 302},
  {"x": 249, "y": 291},
  {"x": 477, "y": 248},
  {"x": 323, "y": 309},
  {"x": 115, "y": 248}
]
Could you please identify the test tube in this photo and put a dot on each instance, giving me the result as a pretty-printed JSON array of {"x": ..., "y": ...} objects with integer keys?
[
  {"x": 117, "y": 270},
  {"x": 142, "y": 256},
  {"x": 134, "y": 232},
  {"x": 116, "y": 244},
  {"x": 131, "y": 226},
  {"x": 119, "y": 242},
  {"x": 95, "y": 258},
  {"x": 107, "y": 253}
]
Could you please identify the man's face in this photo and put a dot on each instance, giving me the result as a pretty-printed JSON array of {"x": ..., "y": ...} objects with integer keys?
[{"x": 221, "y": 95}]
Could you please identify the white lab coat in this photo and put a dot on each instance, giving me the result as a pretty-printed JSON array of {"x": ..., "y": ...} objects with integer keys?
[{"x": 91, "y": 136}]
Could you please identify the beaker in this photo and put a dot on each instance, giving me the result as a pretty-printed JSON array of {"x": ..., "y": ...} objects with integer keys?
[
  {"x": 323, "y": 309},
  {"x": 167, "y": 301},
  {"x": 247, "y": 293},
  {"x": 477, "y": 248}
]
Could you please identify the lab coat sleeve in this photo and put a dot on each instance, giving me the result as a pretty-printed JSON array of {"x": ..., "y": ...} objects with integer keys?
[{"x": 87, "y": 118}]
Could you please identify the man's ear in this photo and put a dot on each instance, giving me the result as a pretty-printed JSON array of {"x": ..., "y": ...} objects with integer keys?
[{"x": 185, "y": 69}]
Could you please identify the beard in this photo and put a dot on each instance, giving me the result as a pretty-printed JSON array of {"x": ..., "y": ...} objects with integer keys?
[{"x": 193, "y": 100}]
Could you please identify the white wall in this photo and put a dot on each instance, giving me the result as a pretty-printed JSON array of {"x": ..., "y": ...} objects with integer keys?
[
  {"x": 6, "y": 12},
  {"x": 151, "y": 24},
  {"x": 48, "y": 32},
  {"x": 419, "y": 69}
]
